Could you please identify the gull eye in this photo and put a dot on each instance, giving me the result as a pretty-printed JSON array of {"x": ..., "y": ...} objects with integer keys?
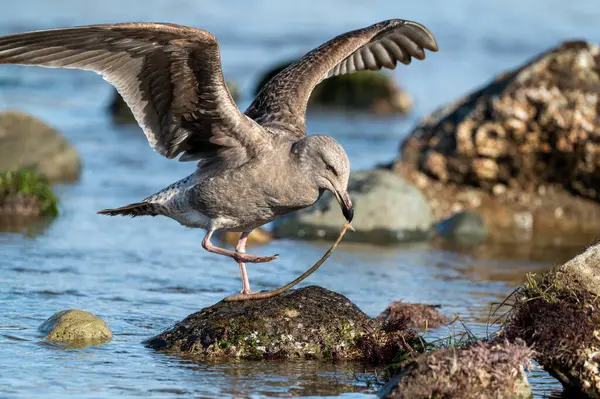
[{"x": 330, "y": 168}]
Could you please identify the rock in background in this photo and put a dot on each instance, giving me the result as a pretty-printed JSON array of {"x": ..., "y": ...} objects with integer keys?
[
  {"x": 26, "y": 142},
  {"x": 368, "y": 91},
  {"x": 387, "y": 210},
  {"x": 258, "y": 236},
  {"x": 523, "y": 151}
]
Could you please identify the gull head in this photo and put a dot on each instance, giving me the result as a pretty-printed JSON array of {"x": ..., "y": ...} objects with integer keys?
[{"x": 329, "y": 167}]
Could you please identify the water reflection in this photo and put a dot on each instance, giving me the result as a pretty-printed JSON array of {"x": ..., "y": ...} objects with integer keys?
[{"x": 286, "y": 379}]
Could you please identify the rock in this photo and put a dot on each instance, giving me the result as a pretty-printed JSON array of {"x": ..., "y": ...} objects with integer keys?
[
  {"x": 76, "y": 327},
  {"x": 524, "y": 145},
  {"x": 415, "y": 315},
  {"x": 464, "y": 228},
  {"x": 549, "y": 217},
  {"x": 121, "y": 114},
  {"x": 374, "y": 92},
  {"x": 482, "y": 370},
  {"x": 25, "y": 195},
  {"x": 534, "y": 125},
  {"x": 307, "y": 323},
  {"x": 258, "y": 236},
  {"x": 26, "y": 142},
  {"x": 387, "y": 209},
  {"x": 557, "y": 315}
]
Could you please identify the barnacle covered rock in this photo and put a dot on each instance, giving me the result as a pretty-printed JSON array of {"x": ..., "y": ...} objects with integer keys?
[{"x": 524, "y": 150}]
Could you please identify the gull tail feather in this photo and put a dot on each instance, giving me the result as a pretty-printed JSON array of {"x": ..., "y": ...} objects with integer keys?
[{"x": 133, "y": 210}]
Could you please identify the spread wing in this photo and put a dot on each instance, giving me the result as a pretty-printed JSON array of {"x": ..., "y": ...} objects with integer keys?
[
  {"x": 169, "y": 75},
  {"x": 282, "y": 101}
]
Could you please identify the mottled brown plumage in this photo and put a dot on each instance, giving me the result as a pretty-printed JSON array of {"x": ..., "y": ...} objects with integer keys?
[{"x": 254, "y": 166}]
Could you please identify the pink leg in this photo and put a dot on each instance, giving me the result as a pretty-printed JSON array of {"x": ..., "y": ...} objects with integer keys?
[
  {"x": 238, "y": 256},
  {"x": 241, "y": 248}
]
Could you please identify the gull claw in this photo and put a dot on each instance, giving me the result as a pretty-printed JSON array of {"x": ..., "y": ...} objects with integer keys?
[{"x": 249, "y": 258}]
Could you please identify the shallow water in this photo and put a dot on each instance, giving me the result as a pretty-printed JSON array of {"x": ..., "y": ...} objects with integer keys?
[{"x": 143, "y": 275}]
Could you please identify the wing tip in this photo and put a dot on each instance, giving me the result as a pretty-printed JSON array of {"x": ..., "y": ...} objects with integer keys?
[{"x": 427, "y": 38}]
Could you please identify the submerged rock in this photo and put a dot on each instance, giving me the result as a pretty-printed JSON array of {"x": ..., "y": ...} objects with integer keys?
[
  {"x": 258, "y": 236},
  {"x": 465, "y": 228},
  {"x": 307, "y": 323},
  {"x": 26, "y": 142},
  {"x": 481, "y": 370},
  {"x": 525, "y": 146},
  {"x": 375, "y": 92},
  {"x": 121, "y": 113},
  {"x": 76, "y": 327},
  {"x": 558, "y": 316},
  {"x": 387, "y": 209},
  {"x": 416, "y": 315}
]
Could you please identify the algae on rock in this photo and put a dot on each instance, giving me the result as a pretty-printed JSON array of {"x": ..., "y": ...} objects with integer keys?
[
  {"x": 557, "y": 314},
  {"x": 26, "y": 194},
  {"x": 307, "y": 323}
]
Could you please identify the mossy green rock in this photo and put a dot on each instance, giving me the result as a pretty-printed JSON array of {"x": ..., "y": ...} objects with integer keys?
[
  {"x": 481, "y": 370},
  {"x": 374, "y": 92},
  {"x": 76, "y": 327},
  {"x": 307, "y": 323},
  {"x": 121, "y": 113},
  {"x": 26, "y": 142}
]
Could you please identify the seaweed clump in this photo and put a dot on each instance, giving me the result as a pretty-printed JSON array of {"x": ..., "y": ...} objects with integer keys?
[
  {"x": 26, "y": 194},
  {"x": 557, "y": 314},
  {"x": 477, "y": 370},
  {"x": 417, "y": 315}
]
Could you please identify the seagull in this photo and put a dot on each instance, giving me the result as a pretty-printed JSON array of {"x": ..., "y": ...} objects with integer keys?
[{"x": 252, "y": 167}]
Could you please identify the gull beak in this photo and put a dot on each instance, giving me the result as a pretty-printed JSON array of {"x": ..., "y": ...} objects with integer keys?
[{"x": 346, "y": 205}]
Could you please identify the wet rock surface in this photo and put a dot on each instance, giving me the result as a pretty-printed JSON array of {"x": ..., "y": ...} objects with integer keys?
[
  {"x": 416, "y": 315},
  {"x": 482, "y": 370},
  {"x": 387, "y": 209},
  {"x": 76, "y": 327},
  {"x": 557, "y": 314},
  {"x": 524, "y": 147},
  {"x": 307, "y": 323},
  {"x": 373, "y": 92},
  {"x": 26, "y": 142}
]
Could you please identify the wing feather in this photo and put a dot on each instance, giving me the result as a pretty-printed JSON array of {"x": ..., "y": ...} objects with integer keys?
[
  {"x": 282, "y": 101},
  {"x": 169, "y": 75}
]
